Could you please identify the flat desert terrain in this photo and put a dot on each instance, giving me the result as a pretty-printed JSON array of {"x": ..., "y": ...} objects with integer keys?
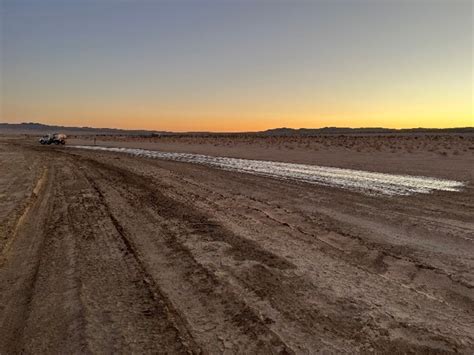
[{"x": 121, "y": 250}]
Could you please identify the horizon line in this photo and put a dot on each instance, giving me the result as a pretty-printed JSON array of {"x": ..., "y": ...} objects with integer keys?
[{"x": 265, "y": 130}]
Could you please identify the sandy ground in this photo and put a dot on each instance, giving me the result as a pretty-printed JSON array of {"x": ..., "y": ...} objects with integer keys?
[{"x": 104, "y": 252}]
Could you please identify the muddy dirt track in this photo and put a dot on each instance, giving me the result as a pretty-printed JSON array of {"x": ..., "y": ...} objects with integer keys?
[{"x": 103, "y": 252}]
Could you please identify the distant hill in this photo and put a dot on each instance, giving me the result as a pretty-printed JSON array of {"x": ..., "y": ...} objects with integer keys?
[
  {"x": 375, "y": 130},
  {"x": 39, "y": 128}
]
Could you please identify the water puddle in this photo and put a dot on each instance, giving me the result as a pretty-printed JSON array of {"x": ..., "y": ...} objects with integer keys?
[{"x": 363, "y": 181}]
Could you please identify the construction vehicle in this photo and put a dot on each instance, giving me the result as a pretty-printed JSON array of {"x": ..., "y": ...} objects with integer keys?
[{"x": 54, "y": 138}]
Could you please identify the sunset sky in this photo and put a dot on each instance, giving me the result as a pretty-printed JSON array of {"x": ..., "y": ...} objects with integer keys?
[{"x": 237, "y": 65}]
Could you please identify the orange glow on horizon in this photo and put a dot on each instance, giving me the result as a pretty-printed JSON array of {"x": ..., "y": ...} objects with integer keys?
[
  {"x": 388, "y": 115},
  {"x": 212, "y": 124}
]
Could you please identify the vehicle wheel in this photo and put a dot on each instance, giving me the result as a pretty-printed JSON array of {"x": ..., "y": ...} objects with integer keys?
[{"x": 63, "y": 142}]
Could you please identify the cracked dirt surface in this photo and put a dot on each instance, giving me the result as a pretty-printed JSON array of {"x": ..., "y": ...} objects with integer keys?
[{"x": 102, "y": 252}]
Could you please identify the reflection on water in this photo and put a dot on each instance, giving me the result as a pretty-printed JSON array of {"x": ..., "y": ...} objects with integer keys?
[{"x": 363, "y": 181}]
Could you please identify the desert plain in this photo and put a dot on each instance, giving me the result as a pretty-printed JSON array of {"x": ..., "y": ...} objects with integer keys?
[{"x": 103, "y": 251}]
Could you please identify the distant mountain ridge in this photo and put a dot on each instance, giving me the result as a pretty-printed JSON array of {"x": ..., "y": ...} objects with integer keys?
[
  {"x": 39, "y": 128},
  {"x": 369, "y": 130}
]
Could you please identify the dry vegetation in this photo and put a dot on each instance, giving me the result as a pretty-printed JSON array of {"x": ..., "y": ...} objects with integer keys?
[{"x": 443, "y": 144}]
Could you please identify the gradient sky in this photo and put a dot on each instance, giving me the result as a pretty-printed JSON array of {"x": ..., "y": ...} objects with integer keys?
[{"x": 237, "y": 65}]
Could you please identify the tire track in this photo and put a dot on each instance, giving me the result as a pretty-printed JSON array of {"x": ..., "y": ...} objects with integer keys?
[
  {"x": 23, "y": 215},
  {"x": 203, "y": 300},
  {"x": 19, "y": 271},
  {"x": 124, "y": 311},
  {"x": 156, "y": 294}
]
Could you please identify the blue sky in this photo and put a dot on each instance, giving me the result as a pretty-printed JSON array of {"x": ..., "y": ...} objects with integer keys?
[{"x": 236, "y": 65}]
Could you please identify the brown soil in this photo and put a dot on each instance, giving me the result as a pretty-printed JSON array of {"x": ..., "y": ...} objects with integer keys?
[{"x": 104, "y": 252}]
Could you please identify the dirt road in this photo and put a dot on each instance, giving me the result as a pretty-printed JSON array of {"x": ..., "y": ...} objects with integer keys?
[{"x": 103, "y": 252}]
